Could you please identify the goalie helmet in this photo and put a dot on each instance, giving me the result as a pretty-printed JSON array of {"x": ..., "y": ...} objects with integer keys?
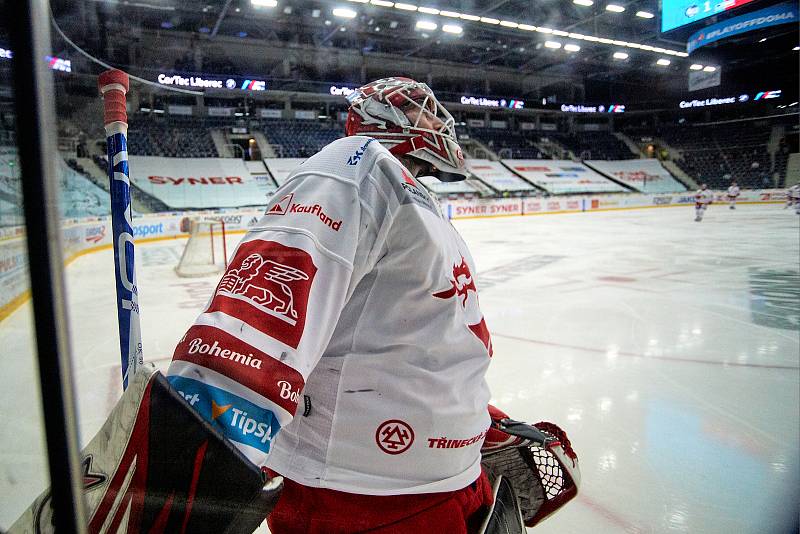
[{"x": 405, "y": 116}]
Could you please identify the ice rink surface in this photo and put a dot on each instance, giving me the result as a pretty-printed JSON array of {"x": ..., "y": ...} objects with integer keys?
[{"x": 667, "y": 349}]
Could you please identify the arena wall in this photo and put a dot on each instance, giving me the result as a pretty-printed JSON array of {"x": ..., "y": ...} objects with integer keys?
[{"x": 85, "y": 236}]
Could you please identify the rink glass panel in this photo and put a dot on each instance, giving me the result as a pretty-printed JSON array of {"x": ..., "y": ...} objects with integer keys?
[{"x": 23, "y": 454}]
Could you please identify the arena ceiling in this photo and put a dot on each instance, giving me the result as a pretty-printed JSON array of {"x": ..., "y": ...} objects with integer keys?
[{"x": 620, "y": 44}]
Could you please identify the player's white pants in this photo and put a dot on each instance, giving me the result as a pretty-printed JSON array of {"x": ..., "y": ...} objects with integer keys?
[{"x": 699, "y": 211}]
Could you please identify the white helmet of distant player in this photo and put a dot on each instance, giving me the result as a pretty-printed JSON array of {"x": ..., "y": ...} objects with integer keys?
[{"x": 405, "y": 116}]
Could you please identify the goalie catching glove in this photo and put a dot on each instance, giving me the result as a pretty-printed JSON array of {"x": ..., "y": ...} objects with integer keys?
[{"x": 537, "y": 460}]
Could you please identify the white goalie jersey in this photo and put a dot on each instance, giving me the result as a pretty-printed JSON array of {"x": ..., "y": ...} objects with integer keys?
[{"x": 344, "y": 347}]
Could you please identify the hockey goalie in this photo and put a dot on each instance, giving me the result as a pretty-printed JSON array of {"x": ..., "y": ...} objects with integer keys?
[{"x": 345, "y": 351}]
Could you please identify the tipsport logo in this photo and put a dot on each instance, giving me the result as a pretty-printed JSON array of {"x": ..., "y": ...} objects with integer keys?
[{"x": 239, "y": 419}]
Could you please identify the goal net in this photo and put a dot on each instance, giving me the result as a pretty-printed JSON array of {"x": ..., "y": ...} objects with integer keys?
[{"x": 205, "y": 253}]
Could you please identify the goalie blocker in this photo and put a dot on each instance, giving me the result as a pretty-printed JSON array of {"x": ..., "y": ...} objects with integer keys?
[{"x": 157, "y": 466}]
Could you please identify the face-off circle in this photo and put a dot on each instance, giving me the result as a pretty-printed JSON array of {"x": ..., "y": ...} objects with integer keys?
[{"x": 394, "y": 436}]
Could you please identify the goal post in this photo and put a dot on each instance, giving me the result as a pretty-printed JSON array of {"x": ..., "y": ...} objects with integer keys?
[{"x": 206, "y": 252}]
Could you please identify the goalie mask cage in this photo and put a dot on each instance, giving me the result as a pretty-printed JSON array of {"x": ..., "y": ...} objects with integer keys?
[{"x": 205, "y": 253}]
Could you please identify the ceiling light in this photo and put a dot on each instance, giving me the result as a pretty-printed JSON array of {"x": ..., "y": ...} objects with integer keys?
[
  {"x": 451, "y": 14},
  {"x": 287, "y": 10},
  {"x": 344, "y": 13},
  {"x": 615, "y": 8},
  {"x": 682, "y": 54},
  {"x": 393, "y": 24},
  {"x": 634, "y": 45},
  {"x": 429, "y": 10},
  {"x": 619, "y": 43},
  {"x": 696, "y": 66},
  {"x": 560, "y": 33},
  {"x": 648, "y": 48},
  {"x": 645, "y": 14},
  {"x": 405, "y": 7},
  {"x": 552, "y": 44},
  {"x": 541, "y": 29},
  {"x": 382, "y": 3},
  {"x": 663, "y": 62},
  {"x": 489, "y": 20},
  {"x": 509, "y": 24},
  {"x": 577, "y": 36},
  {"x": 470, "y": 17},
  {"x": 452, "y": 28},
  {"x": 527, "y": 27},
  {"x": 316, "y": 13},
  {"x": 604, "y": 40},
  {"x": 620, "y": 55},
  {"x": 584, "y": 2},
  {"x": 264, "y": 3},
  {"x": 709, "y": 69},
  {"x": 591, "y": 38},
  {"x": 571, "y": 47},
  {"x": 426, "y": 25},
  {"x": 762, "y": 40},
  {"x": 796, "y": 48},
  {"x": 359, "y": 1}
]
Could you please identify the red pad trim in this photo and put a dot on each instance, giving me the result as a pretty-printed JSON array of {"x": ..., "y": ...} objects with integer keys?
[{"x": 219, "y": 351}]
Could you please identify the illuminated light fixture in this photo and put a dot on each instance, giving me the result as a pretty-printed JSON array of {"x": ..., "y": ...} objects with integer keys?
[
  {"x": 615, "y": 8},
  {"x": 264, "y": 3},
  {"x": 509, "y": 24},
  {"x": 426, "y": 25},
  {"x": 604, "y": 40},
  {"x": 429, "y": 10},
  {"x": 709, "y": 69},
  {"x": 571, "y": 47},
  {"x": 584, "y": 2},
  {"x": 644, "y": 14},
  {"x": 620, "y": 55},
  {"x": 470, "y": 17},
  {"x": 592, "y": 38},
  {"x": 560, "y": 33},
  {"x": 762, "y": 40},
  {"x": 451, "y": 14},
  {"x": 634, "y": 45},
  {"x": 541, "y": 29},
  {"x": 659, "y": 50},
  {"x": 663, "y": 62},
  {"x": 682, "y": 54},
  {"x": 528, "y": 27},
  {"x": 359, "y": 1},
  {"x": 552, "y": 44},
  {"x": 489, "y": 20},
  {"x": 452, "y": 28},
  {"x": 382, "y": 3},
  {"x": 648, "y": 48},
  {"x": 696, "y": 66},
  {"x": 796, "y": 48},
  {"x": 344, "y": 13},
  {"x": 577, "y": 36},
  {"x": 405, "y": 7},
  {"x": 619, "y": 43}
]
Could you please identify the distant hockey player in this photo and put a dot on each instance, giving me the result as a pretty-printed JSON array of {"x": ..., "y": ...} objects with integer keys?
[
  {"x": 793, "y": 198},
  {"x": 345, "y": 349},
  {"x": 733, "y": 194},
  {"x": 702, "y": 199}
]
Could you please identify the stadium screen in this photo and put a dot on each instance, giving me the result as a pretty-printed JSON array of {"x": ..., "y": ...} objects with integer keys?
[{"x": 677, "y": 13}]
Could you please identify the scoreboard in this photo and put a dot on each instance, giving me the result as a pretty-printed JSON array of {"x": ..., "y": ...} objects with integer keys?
[{"x": 677, "y": 13}]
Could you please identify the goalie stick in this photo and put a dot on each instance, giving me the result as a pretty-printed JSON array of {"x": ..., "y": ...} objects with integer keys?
[{"x": 114, "y": 85}]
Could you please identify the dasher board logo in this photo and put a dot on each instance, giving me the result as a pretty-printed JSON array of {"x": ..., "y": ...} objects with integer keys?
[
  {"x": 286, "y": 205},
  {"x": 394, "y": 436},
  {"x": 267, "y": 286}
]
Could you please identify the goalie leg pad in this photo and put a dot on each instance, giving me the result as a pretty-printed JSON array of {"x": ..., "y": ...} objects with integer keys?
[
  {"x": 157, "y": 466},
  {"x": 505, "y": 516}
]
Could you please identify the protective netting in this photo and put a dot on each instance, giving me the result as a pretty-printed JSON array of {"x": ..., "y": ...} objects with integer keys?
[{"x": 205, "y": 253}]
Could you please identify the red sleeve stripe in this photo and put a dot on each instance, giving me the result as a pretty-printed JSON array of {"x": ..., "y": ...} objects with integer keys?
[{"x": 260, "y": 372}]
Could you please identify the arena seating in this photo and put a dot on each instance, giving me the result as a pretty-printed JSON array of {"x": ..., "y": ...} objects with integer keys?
[
  {"x": 721, "y": 153},
  {"x": 595, "y": 145},
  {"x": 299, "y": 138},
  {"x": 512, "y": 144},
  {"x": 170, "y": 136}
]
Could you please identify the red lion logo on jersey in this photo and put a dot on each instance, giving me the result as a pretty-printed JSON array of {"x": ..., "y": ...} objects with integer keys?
[{"x": 461, "y": 284}]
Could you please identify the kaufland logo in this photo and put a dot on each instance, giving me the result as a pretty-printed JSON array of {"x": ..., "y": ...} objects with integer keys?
[{"x": 285, "y": 205}]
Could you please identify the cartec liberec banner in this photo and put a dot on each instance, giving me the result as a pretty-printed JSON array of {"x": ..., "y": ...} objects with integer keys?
[
  {"x": 280, "y": 168},
  {"x": 763, "y": 18},
  {"x": 197, "y": 182},
  {"x": 497, "y": 176},
  {"x": 561, "y": 176},
  {"x": 644, "y": 175}
]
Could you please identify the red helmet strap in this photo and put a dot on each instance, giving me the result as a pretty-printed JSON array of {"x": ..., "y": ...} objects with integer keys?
[{"x": 408, "y": 145}]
